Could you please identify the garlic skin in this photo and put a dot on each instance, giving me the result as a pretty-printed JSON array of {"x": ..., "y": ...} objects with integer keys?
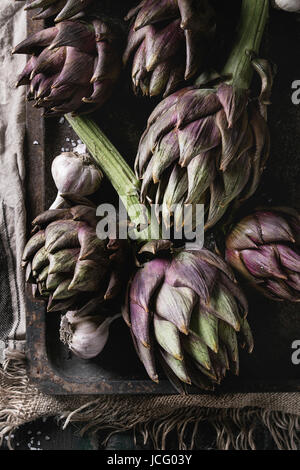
[
  {"x": 74, "y": 173},
  {"x": 85, "y": 336},
  {"x": 288, "y": 5}
]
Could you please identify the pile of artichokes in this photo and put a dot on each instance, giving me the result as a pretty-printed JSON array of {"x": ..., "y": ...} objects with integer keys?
[{"x": 206, "y": 142}]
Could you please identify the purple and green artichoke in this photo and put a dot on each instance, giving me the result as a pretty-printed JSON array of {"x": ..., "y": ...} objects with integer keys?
[
  {"x": 69, "y": 265},
  {"x": 62, "y": 9},
  {"x": 186, "y": 312},
  {"x": 73, "y": 66},
  {"x": 203, "y": 146},
  {"x": 265, "y": 248},
  {"x": 169, "y": 40}
]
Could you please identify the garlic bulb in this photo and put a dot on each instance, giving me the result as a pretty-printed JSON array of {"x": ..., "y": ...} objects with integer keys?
[
  {"x": 288, "y": 5},
  {"x": 74, "y": 173},
  {"x": 85, "y": 336}
]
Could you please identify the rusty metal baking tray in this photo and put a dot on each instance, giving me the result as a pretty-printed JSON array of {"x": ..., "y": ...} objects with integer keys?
[{"x": 275, "y": 325}]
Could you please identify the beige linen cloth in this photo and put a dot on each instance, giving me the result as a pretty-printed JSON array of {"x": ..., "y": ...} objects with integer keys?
[{"x": 234, "y": 417}]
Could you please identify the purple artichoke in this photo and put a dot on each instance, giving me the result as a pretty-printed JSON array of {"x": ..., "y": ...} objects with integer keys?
[
  {"x": 265, "y": 248},
  {"x": 64, "y": 9},
  {"x": 69, "y": 265},
  {"x": 185, "y": 310},
  {"x": 169, "y": 40},
  {"x": 73, "y": 66},
  {"x": 206, "y": 146}
]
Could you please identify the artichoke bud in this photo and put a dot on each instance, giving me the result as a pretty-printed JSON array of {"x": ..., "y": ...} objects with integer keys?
[
  {"x": 205, "y": 146},
  {"x": 71, "y": 266},
  {"x": 75, "y": 69},
  {"x": 161, "y": 33},
  {"x": 185, "y": 309},
  {"x": 265, "y": 248}
]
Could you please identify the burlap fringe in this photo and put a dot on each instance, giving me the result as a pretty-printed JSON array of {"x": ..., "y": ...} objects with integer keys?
[
  {"x": 234, "y": 428},
  {"x": 13, "y": 389}
]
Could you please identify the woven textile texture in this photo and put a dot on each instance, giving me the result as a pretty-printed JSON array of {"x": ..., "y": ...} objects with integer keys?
[
  {"x": 233, "y": 417},
  {"x": 12, "y": 175}
]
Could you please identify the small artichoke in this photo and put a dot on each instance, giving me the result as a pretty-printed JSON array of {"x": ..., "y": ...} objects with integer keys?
[
  {"x": 169, "y": 40},
  {"x": 185, "y": 310},
  {"x": 73, "y": 66},
  {"x": 265, "y": 248},
  {"x": 64, "y": 9},
  {"x": 68, "y": 264},
  {"x": 203, "y": 146}
]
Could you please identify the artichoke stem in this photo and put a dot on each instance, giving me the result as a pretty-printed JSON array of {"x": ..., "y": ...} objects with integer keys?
[
  {"x": 117, "y": 171},
  {"x": 253, "y": 19}
]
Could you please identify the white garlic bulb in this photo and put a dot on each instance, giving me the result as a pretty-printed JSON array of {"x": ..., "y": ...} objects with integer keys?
[
  {"x": 288, "y": 5},
  {"x": 85, "y": 336},
  {"x": 74, "y": 173}
]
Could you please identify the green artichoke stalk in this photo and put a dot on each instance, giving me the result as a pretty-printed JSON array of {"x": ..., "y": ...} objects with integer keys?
[
  {"x": 73, "y": 66},
  {"x": 265, "y": 248},
  {"x": 68, "y": 264},
  {"x": 62, "y": 9},
  {"x": 186, "y": 311},
  {"x": 169, "y": 40},
  {"x": 209, "y": 145}
]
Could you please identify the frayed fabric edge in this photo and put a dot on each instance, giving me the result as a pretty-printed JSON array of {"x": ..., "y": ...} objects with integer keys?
[
  {"x": 13, "y": 389},
  {"x": 234, "y": 428}
]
